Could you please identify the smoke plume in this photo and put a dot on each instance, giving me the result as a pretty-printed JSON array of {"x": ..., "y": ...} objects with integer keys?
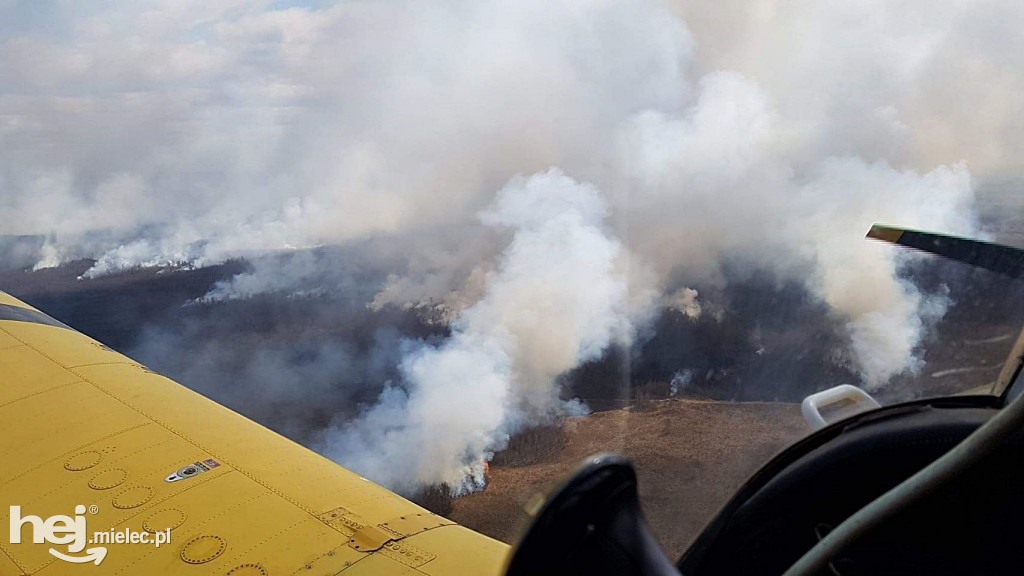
[
  {"x": 719, "y": 142},
  {"x": 556, "y": 299}
]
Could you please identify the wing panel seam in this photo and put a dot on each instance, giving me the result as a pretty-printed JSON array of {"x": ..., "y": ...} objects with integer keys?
[
  {"x": 191, "y": 528},
  {"x": 149, "y": 506},
  {"x": 7, "y": 553},
  {"x": 38, "y": 392},
  {"x": 72, "y": 480},
  {"x": 98, "y": 364},
  {"x": 171, "y": 429},
  {"x": 72, "y": 451},
  {"x": 241, "y": 555},
  {"x": 197, "y": 445}
]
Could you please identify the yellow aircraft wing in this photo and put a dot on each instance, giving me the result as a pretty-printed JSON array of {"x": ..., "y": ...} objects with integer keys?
[{"x": 83, "y": 426}]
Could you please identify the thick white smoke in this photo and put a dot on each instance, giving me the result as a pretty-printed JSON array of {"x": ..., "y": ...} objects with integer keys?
[
  {"x": 735, "y": 131},
  {"x": 721, "y": 179},
  {"x": 558, "y": 298}
]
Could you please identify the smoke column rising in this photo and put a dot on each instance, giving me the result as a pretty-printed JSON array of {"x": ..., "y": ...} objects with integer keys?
[
  {"x": 770, "y": 137},
  {"x": 557, "y": 299}
]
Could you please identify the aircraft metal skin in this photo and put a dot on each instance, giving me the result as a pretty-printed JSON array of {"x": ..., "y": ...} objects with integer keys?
[
  {"x": 82, "y": 425},
  {"x": 1005, "y": 260}
]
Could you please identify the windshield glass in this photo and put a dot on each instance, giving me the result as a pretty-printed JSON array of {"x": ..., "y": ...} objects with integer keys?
[{"x": 457, "y": 247}]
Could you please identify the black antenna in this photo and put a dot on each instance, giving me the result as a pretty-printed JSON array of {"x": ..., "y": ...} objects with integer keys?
[
  {"x": 1005, "y": 260},
  {"x": 995, "y": 257}
]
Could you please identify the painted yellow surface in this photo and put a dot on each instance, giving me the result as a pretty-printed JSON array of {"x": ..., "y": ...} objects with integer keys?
[{"x": 81, "y": 424}]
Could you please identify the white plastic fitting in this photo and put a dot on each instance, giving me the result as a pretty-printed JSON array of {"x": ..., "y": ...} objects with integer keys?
[{"x": 835, "y": 404}]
